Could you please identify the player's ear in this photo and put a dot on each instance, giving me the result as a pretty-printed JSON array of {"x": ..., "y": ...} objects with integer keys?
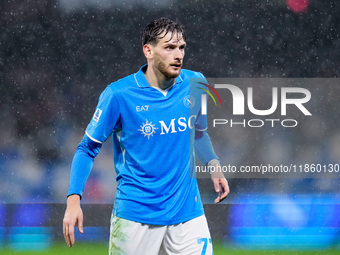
[{"x": 148, "y": 51}]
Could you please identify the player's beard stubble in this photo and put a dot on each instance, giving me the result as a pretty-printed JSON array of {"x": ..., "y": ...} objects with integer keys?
[{"x": 163, "y": 69}]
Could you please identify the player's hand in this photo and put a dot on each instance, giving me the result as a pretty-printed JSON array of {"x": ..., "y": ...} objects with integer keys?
[
  {"x": 220, "y": 184},
  {"x": 73, "y": 215}
]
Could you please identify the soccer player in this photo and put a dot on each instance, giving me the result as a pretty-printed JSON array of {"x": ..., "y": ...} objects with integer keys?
[{"x": 157, "y": 128}]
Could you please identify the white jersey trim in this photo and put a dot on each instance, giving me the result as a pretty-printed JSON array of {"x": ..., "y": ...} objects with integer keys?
[
  {"x": 163, "y": 91},
  {"x": 93, "y": 139},
  {"x": 136, "y": 80},
  {"x": 201, "y": 129},
  {"x": 119, "y": 133}
]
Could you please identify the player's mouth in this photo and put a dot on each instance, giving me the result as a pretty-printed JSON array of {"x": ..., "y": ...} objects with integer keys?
[{"x": 176, "y": 66}]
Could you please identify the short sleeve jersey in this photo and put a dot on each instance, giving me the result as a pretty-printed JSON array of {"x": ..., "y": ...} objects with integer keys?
[{"x": 153, "y": 133}]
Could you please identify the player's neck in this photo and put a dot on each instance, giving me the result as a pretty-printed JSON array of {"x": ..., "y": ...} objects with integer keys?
[{"x": 158, "y": 80}]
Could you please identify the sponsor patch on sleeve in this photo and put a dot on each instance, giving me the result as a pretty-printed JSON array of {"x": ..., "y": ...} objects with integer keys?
[{"x": 97, "y": 114}]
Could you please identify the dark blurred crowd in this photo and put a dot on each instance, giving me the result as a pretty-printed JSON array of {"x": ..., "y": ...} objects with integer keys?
[{"x": 54, "y": 63}]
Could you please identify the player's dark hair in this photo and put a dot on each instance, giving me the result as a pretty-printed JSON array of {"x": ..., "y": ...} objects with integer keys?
[{"x": 154, "y": 29}]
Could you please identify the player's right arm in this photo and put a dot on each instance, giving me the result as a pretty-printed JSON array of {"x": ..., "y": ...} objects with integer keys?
[
  {"x": 104, "y": 121},
  {"x": 73, "y": 215},
  {"x": 82, "y": 164}
]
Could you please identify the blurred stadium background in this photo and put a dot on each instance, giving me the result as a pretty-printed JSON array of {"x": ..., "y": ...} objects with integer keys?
[{"x": 57, "y": 56}]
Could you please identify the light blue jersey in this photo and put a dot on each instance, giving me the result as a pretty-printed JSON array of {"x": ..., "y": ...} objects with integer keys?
[{"x": 153, "y": 138}]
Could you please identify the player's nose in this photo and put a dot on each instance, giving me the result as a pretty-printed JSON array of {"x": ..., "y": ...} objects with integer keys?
[{"x": 178, "y": 54}]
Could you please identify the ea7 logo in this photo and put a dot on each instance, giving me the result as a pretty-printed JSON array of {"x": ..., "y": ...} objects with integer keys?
[
  {"x": 141, "y": 108},
  {"x": 238, "y": 100}
]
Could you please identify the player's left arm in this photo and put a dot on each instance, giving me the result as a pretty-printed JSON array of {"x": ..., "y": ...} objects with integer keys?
[{"x": 205, "y": 152}]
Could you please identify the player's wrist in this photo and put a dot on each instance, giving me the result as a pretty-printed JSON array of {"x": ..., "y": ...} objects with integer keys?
[
  {"x": 214, "y": 162},
  {"x": 73, "y": 199},
  {"x": 215, "y": 169}
]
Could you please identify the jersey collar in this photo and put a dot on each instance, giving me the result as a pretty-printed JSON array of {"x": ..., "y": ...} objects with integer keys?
[{"x": 142, "y": 82}]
